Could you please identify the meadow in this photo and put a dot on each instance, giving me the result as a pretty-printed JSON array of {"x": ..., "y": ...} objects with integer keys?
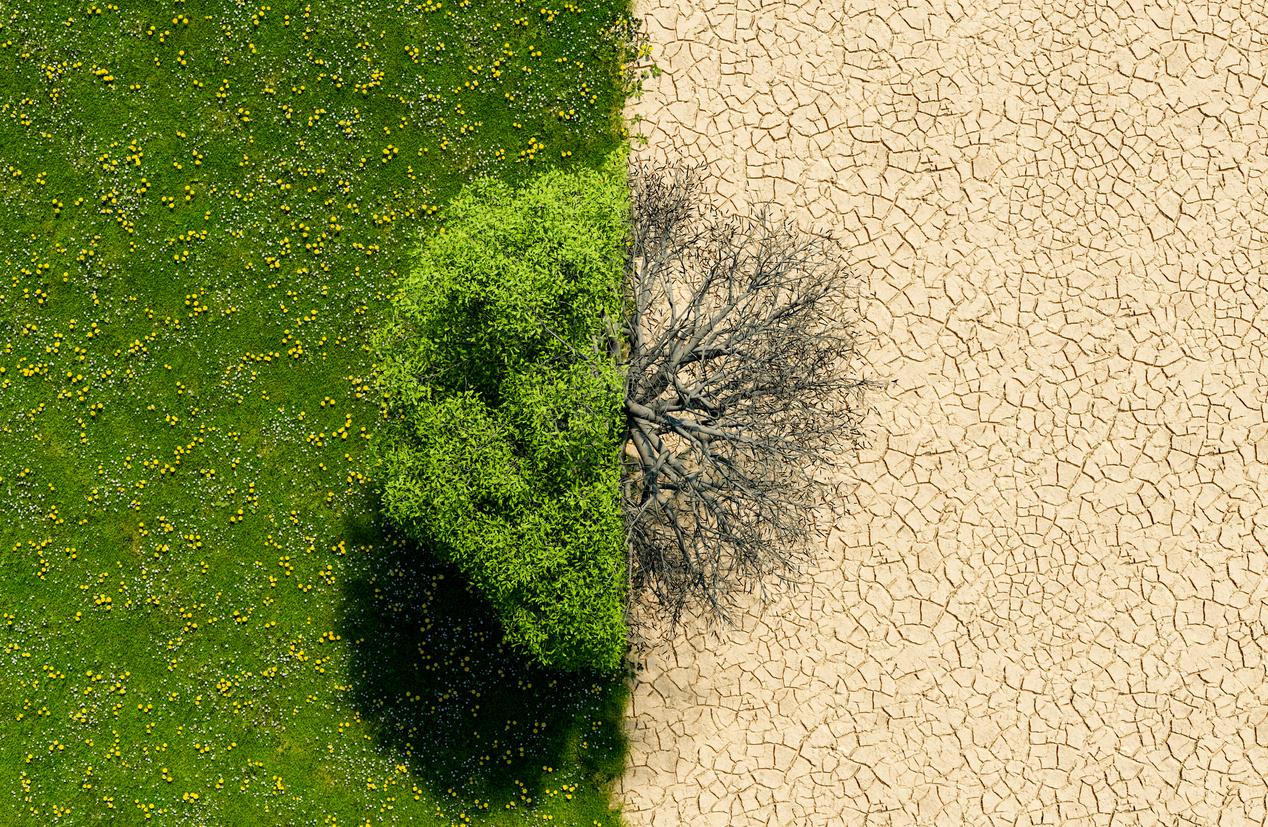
[{"x": 203, "y": 617}]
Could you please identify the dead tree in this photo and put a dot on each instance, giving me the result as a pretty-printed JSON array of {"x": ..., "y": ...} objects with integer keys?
[{"x": 738, "y": 393}]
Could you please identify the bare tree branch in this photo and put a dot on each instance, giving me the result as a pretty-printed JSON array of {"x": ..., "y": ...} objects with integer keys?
[{"x": 737, "y": 390}]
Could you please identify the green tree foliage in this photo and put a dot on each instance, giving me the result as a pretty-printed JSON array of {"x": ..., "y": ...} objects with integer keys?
[{"x": 504, "y": 406}]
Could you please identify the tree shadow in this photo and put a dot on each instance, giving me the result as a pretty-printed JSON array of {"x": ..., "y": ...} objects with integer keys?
[{"x": 469, "y": 716}]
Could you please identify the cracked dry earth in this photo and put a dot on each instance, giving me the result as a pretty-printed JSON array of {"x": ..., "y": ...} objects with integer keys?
[{"x": 1045, "y": 603}]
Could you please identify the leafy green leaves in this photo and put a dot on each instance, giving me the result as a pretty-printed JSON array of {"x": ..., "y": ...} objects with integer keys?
[{"x": 504, "y": 408}]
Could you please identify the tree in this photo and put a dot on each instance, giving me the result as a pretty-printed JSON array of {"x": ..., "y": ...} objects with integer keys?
[
  {"x": 736, "y": 394},
  {"x": 596, "y": 388},
  {"x": 503, "y": 406}
]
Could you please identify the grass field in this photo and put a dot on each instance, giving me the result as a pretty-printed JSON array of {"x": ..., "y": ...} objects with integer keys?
[{"x": 206, "y": 206}]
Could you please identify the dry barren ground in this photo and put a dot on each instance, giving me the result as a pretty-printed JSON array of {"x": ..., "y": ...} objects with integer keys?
[{"x": 1046, "y": 604}]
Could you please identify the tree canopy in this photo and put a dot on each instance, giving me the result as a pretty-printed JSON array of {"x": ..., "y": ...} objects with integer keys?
[{"x": 504, "y": 406}]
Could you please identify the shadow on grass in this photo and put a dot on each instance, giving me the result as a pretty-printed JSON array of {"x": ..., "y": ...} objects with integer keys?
[{"x": 470, "y": 717}]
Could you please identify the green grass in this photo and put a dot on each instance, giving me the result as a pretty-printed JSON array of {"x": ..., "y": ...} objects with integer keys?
[{"x": 202, "y": 617}]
